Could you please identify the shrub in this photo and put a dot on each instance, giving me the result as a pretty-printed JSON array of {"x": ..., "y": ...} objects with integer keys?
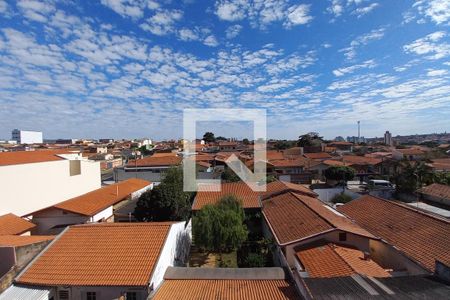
[{"x": 341, "y": 198}]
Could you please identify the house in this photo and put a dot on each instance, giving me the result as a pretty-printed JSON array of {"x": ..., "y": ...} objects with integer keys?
[
  {"x": 408, "y": 154},
  {"x": 293, "y": 219},
  {"x": 421, "y": 238},
  {"x": 440, "y": 165},
  {"x": 151, "y": 168},
  {"x": 226, "y": 283},
  {"x": 227, "y": 146},
  {"x": 436, "y": 193},
  {"x": 32, "y": 180},
  {"x": 10, "y": 224},
  {"x": 107, "y": 261},
  {"x": 341, "y": 147},
  {"x": 292, "y": 170},
  {"x": 96, "y": 206},
  {"x": 320, "y": 156}
]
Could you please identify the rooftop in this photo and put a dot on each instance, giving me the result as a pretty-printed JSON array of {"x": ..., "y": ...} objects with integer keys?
[
  {"x": 12, "y": 224},
  {"x": 28, "y": 157},
  {"x": 156, "y": 161},
  {"x": 410, "y": 151},
  {"x": 436, "y": 190},
  {"x": 95, "y": 201},
  {"x": 419, "y": 235},
  {"x": 114, "y": 254},
  {"x": 22, "y": 240},
  {"x": 318, "y": 155}
]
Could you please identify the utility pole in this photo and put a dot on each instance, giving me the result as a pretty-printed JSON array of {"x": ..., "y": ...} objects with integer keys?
[{"x": 359, "y": 132}]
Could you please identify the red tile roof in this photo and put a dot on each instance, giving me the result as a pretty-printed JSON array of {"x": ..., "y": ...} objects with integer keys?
[
  {"x": 278, "y": 187},
  {"x": 12, "y": 224},
  {"x": 94, "y": 202},
  {"x": 155, "y": 161},
  {"x": 295, "y": 217},
  {"x": 436, "y": 190},
  {"x": 22, "y": 240},
  {"x": 28, "y": 157},
  {"x": 319, "y": 155},
  {"x": 288, "y": 163},
  {"x": 206, "y": 195},
  {"x": 106, "y": 254},
  {"x": 226, "y": 289},
  {"x": 360, "y": 160},
  {"x": 410, "y": 151},
  {"x": 422, "y": 237},
  {"x": 329, "y": 260}
]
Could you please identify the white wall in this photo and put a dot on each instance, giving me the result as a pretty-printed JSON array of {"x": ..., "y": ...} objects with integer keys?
[
  {"x": 175, "y": 251},
  {"x": 47, "y": 219},
  {"x": 106, "y": 213},
  {"x": 30, "y": 137},
  {"x": 27, "y": 188}
]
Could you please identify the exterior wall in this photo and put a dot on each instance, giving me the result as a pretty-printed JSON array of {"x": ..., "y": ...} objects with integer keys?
[
  {"x": 150, "y": 175},
  {"x": 30, "y": 187},
  {"x": 51, "y": 217},
  {"x": 388, "y": 257},
  {"x": 7, "y": 258},
  {"x": 104, "y": 214},
  {"x": 326, "y": 195},
  {"x": 105, "y": 293},
  {"x": 437, "y": 200},
  {"x": 174, "y": 253},
  {"x": 27, "y": 137}
]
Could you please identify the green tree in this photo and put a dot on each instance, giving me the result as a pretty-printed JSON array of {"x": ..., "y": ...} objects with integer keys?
[
  {"x": 245, "y": 141},
  {"x": 341, "y": 198},
  {"x": 309, "y": 139},
  {"x": 209, "y": 137},
  {"x": 220, "y": 227},
  {"x": 413, "y": 176},
  {"x": 165, "y": 202},
  {"x": 228, "y": 175},
  {"x": 221, "y": 138},
  {"x": 339, "y": 173}
]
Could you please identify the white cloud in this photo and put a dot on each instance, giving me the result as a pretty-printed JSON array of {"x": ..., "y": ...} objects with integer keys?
[
  {"x": 211, "y": 41},
  {"x": 336, "y": 8},
  {"x": 129, "y": 8},
  {"x": 233, "y": 31},
  {"x": 430, "y": 46},
  {"x": 36, "y": 10},
  {"x": 343, "y": 71},
  {"x": 231, "y": 10},
  {"x": 437, "y": 72},
  {"x": 187, "y": 34},
  {"x": 298, "y": 15},
  {"x": 373, "y": 35},
  {"x": 437, "y": 10},
  {"x": 162, "y": 22},
  {"x": 361, "y": 11},
  {"x": 3, "y": 6}
]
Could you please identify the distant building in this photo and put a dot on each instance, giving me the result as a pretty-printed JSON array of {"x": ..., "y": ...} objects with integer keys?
[
  {"x": 388, "y": 138},
  {"x": 356, "y": 140},
  {"x": 339, "y": 139},
  {"x": 27, "y": 136}
]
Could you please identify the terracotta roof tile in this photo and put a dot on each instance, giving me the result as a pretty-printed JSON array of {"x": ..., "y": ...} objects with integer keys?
[
  {"x": 410, "y": 151},
  {"x": 107, "y": 254},
  {"x": 22, "y": 240},
  {"x": 422, "y": 237},
  {"x": 288, "y": 163},
  {"x": 28, "y": 157},
  {"x": 226, "y": 290},
  {"x": 319, "y": 155},
  {"x": 205, "y": 195},
  {"x": 12, "y": 224},
  {"x": 277, "y": 187},
  {"x": 155, "y": 161},
  {"x": 93, "y": 202},
  {"x": 436, "y": 190},
  {"x": 349, "y": 160},
  {"x": 329, "y": 260},
  {"x": 294, "y": 217}
]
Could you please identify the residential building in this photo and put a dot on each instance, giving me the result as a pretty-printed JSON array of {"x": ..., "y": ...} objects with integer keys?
[
  {"x": 12, "y": 224},
  {"x": 151, "y": 168},
  {"x": 227, "y": 146},
  {"x": 436, "y": 193},
  {"x": 408, "y": 154},
  {"x": 107, "y": 261},
  {"x": 440, "y": 165},
  {"x": 420, "y": 237},
  {"x": 341, "y": 147},
  {"x": 388, "y": 139},
  {"x": 33, "y": 180},
  {"x": 226, "y": 283},
  {"x": 96, "y": 206},
  {"x": 27, "y": 136}
]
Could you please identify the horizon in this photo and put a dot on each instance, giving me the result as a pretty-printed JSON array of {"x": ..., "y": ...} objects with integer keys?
[{"x": 129, "y": 68}]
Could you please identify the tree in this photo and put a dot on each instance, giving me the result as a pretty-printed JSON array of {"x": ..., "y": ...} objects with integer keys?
[
  {"x": 283, "y": 144},
  {"x": 165, "y": 202},
  {"x": 412, "y": 176},
  {"x": 339, "y": 173},
  {"x": 245, "y": 141},
  {"x": 209, "y": 137},
  {"x": 221, "y": 138},
  {"x": 341, "y": 198},
  {"x": 228, "y": 175},
  {"x": 220, "y": 227},
  {"x": 309, "y": 139}
]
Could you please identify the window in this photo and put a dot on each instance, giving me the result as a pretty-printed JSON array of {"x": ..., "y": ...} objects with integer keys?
[
  {"x": 63, "y": 294},
  {"x": 342, "y": 236},
  {"x": 91, "y": 296},
  {"x": 131, "y": 296}
]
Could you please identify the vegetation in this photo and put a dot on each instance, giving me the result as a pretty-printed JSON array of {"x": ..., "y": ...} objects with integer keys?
[
  {"x": 255, "y": 254},
  {"x": 341, "y": 198},
  {"x": 413, "y": 176},
  {"x": 339, "y": 173},
  {"x": 165, "y": 202},
  {"x": 209, "y": 137},
  {"x": 309, "y": 139},
  {"x": 284, "y": 144},
  {"x": 228, "y": 175},
  {"x": 221, "y": 138},
  {"x": 245, "y": 141},
  {"x": 220, "y": 228}
]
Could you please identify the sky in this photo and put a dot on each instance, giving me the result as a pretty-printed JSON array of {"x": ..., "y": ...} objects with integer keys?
[{"x": 128, "y": 68}]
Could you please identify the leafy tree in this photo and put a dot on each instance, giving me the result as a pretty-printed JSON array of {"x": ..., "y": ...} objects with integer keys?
[
  {"x": 283, "y": 144},
  {"x": 245, "y": 141},
  {"x": 309, "y": 139},
  {"x": 341, "y": 198},
  {"x": 339, "y": 173},
  {"x": 209, "y": 137},
  {"x": 228, "y": 175},
  {"x": 441, "y": 178},
  {"x": 165, "y": 202},
  {"x": 413, "y": 176},
  {"x": 221, "y": 138},
  {"x": 255, "y": 260},
  {"x": 220, "y": 227}
]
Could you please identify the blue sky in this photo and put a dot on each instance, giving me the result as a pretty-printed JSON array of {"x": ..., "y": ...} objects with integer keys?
[{"x": 128, "y": 68}]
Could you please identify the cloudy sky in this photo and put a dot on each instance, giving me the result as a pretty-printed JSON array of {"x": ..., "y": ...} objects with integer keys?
[{"x": 128, "y": 68}]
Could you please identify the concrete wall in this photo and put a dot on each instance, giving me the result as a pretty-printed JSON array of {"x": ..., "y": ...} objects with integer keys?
[
  {"x": 104, "y": 293},
  {"x": 327, "y": 194},
  {"x": 30, "y": 187},
  {"x": 7, "y": 259},
  {"x": 104, "y": 214},
  {"x": 388, "y": 257},
  {"x": 51, "y": 217}
]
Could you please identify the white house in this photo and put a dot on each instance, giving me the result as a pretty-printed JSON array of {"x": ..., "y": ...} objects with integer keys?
[
  {"x": 107, "y": 261},
  {"x": 33, "y": 180},
  {"x": 27, "y": 136},
  {"x": 96, "y": 206}
]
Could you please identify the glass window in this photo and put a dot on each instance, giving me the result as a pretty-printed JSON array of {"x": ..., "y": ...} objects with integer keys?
[{"x": 91, "y": 296}]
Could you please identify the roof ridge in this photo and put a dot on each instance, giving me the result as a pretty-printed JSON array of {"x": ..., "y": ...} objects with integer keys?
[{"x": 309, "y": 207}]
